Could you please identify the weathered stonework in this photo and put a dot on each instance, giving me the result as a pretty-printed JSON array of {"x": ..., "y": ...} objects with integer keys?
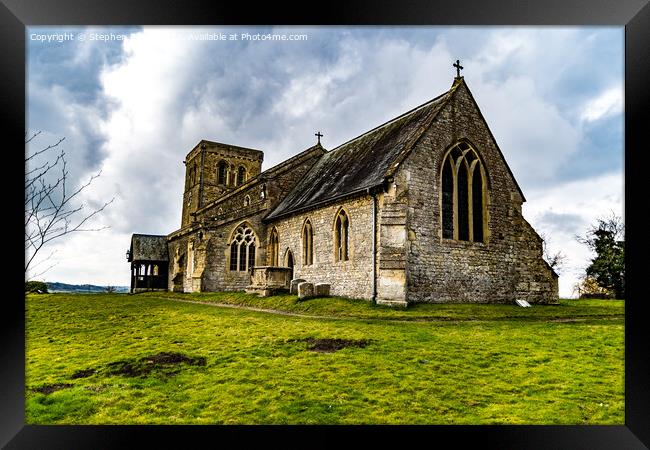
[{"x": 388, "y": 183}]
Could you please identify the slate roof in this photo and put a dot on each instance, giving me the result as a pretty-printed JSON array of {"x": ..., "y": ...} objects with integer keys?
[
  {"x": 148, "y": 247},
  {"x": 361, "y": 163}
]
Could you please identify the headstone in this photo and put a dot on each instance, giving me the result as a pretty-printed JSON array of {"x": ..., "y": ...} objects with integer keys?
[
  {"x": 305, "y": 290},
  {"x": 293, "y": 288},
  {"x": 322, "y": 289}
]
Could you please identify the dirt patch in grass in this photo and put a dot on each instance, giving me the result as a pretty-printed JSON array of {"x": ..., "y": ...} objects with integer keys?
[
  {"x": 83, "y": 373},
  {"x": 329, "y": 345},
  {"x": 161, "y": 362},
  {"x": 49, "y": 388}
]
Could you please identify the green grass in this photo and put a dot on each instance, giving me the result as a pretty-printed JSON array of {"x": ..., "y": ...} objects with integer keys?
[{"x": 428, "y": 364}]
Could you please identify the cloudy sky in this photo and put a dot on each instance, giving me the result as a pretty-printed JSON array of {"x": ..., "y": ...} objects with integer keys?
[{"x": 132, "y": 102}]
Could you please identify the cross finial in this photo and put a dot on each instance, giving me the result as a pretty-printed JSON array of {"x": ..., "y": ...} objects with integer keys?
[
  {"x": 318, "y": 135},
  {"x": 458, "y": 68}
]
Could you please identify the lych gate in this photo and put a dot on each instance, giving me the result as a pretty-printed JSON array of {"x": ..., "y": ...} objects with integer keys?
[{"x": 149, "y": 262}]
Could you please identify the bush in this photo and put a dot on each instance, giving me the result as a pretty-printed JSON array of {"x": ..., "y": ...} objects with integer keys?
[{"x": 38, "y": 287}]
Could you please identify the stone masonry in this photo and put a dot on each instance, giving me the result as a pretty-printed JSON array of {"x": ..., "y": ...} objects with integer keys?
[{"x": 388, "y": 180}]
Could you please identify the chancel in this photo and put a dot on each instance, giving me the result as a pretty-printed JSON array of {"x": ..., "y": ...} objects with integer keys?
[{"x": 422, "y": 208}]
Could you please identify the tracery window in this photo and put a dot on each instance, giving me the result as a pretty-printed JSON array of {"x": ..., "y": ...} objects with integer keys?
[
  {"x": 341, "y": 236},
  {"x": 242, "y": 249},
  {"x": 307, "y": 244},
  {"x": 464, "y": 194},
  {"x": 274, "y": 248}
]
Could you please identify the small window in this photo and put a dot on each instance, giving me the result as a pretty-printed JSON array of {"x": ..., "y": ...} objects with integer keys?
[
  {"x": 274, "y": 247},
  {"x": 241, "y": 175},
  {"x": 247, "y": 200},
  {"x": 307, "y": 244},
  {"x": 222, "y": 169},
  {"x": 341, "y": 239}
]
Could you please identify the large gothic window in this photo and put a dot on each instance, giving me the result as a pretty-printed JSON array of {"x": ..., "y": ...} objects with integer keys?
[
  {"x": 463, "y": 211},
  {"x": 307, "y": 244},
  {"x": 242, "y": 249},
  {"x": 241, "y": 175},
  {"x": 341, "y": 239},
  {"x": 274, "y": 248},
  {"x": 222, "y": 169}
]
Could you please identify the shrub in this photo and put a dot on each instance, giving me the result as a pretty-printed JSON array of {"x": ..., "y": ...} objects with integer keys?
[{"x": 38, "y": 287}]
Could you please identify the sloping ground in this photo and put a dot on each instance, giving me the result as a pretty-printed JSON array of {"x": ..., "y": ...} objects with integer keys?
[
  {"x": 337, "y": 307},
  {"x": 145, "y": 359}
]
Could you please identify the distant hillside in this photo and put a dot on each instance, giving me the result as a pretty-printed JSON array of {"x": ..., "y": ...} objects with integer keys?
[{"x": 85, "y": 288}]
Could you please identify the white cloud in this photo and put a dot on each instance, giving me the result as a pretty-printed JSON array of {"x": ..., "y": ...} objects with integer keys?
[{"x": 607, "y": 104}]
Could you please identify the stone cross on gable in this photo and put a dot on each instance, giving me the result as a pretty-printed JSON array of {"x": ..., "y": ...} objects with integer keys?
[
  {"x": 318, "y": 135},
  {"x": 458, "y": 68}
]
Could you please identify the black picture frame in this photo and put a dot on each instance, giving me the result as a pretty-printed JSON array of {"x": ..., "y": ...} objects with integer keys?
[{"x": 634, "y": 15}]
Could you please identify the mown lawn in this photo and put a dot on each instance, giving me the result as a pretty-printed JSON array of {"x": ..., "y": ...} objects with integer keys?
[{"x": 146, "y": 359}]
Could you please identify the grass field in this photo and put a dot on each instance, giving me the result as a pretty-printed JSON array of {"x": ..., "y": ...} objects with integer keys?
[{"x": 152, "y": 359}]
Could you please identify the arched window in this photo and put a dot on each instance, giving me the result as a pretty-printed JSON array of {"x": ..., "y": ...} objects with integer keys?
[
  {"x": 341, "y": 239},
  {"x": 274, "y": 248},
  {"x": 222, "y": 169},
  {"x": 241, "y": 175},
  {"x": 307, "y": 244},
  {"x": 463, "y": 212},
  {"x": 247, "y": 200},
  {"x": 242, "y": 249}
]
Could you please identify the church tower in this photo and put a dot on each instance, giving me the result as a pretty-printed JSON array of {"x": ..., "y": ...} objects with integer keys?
[{"x": 213, "y": 169}]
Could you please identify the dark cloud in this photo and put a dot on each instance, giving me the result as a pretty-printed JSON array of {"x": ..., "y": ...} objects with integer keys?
[{"x": 570, "y": 224}]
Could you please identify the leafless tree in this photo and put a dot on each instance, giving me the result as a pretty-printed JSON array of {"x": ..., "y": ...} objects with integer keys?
[
  {"x": 51, "y": 207},
  {"x": 556, "y": 260}
]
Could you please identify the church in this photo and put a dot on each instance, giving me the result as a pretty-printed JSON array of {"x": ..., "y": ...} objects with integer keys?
[{"x": 422, "y": 208}]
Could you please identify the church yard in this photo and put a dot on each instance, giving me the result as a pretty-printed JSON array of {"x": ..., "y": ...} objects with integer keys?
[{"x": 166, "y": 358}]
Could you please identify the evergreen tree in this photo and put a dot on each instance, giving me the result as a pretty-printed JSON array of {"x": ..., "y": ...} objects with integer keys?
[{"x": 607, "y": 240}]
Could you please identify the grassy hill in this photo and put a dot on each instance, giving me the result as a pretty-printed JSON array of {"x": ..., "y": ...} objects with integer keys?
[
  {"x": 204, "y": 359},
  {"x": 53, "y": 286}
]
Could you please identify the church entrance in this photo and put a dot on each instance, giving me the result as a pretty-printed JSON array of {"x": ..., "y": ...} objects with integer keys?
[{"x": 288, "y": 261}]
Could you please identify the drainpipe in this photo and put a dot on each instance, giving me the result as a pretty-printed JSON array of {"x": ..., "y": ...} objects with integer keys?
[
  {"x": 374, "y": 246},
  {"x": 203, "y": 146}
]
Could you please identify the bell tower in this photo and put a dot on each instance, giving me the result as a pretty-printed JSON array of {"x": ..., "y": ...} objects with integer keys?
[{"x": 213, "y": 169}]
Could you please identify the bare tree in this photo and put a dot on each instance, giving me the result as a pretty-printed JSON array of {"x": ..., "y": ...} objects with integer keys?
[
  {"x": 51, "y": 208},
  {"x": 556, "y": 260}
]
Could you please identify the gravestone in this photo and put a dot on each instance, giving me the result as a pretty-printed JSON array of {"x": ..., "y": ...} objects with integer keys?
[
  {"x": 322, "y": 290},
  {"x": 293, "y": 288},
  {"x": 305, "y": 290}
]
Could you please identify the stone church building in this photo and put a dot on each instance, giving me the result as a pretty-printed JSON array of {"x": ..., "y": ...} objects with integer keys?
[{"x": 422, "y": 208}]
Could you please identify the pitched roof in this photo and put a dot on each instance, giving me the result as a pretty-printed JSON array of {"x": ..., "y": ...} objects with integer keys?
[
  {"x": 362, "y": 162},
  {"x": 148, "y": 247}
]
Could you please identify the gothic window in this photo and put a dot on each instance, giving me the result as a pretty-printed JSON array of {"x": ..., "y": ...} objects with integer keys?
[
  {"x": 274, "y": 248},
  {"x": 463, "y": 211},
  {"x": 307, "y": 244},
  {"x": 222, "y": 169},
  {"x": 341, "y": 239},
  {"x": 241, "y": 175},
  {"x": 247, "y": 200},
  {"x": 242, "y": 249}
]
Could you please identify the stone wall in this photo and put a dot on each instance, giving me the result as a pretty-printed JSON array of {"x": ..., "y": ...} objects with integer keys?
[
  {"x": 206, "y": 164},
  {"x": 508, "y": 265},
  {"x": 209, "y": 235},
  {"x": 351, "y": 278}
]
